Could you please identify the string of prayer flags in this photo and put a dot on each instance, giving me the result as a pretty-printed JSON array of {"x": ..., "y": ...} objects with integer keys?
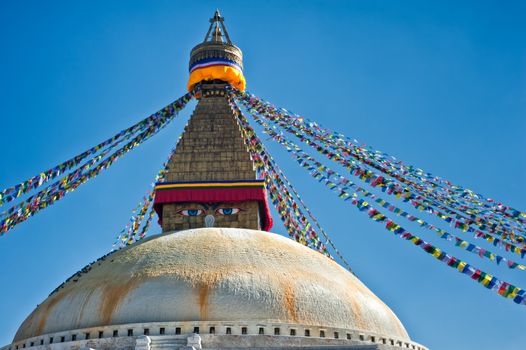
[
  {"x": 491, "y": 282},
  {"x": 59, "y": 189},
  {"x": 340, "y": 185},
  {"x": 309, "y": 213},
  {"x": 65, "y": 180},
  {"x": 131, "y": 233},
  {"x": 400, "y": 192},
  {"x": 326, "y": 134},
  {"x": 89, "y": 170},
  {"x": 11, "y": 193},
  {"x": 455, "y": 195},
  {"x": 286, "y": 125},
  {"x": 297, "y": 225},
  {"x": 280, "y": 176}
]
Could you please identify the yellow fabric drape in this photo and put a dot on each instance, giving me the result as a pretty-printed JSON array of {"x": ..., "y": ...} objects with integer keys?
[{"x": 229, "y": 74}]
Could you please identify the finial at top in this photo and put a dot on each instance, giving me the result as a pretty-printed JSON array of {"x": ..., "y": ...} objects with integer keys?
[
  {"x": 216, "y": 58},
  {"x": 217, "y": 30}
]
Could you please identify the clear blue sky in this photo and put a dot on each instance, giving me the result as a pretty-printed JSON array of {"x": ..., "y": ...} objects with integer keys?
[{"x": 441, "y": 85}]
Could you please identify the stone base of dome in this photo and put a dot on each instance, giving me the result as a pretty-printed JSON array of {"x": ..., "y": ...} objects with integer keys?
[{"x": 212, "y": 335}]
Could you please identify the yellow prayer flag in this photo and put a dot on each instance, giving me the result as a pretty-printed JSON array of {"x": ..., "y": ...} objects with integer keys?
[
  {"x": 513, "y": 293},
  {"x": 486, "y": 280}
]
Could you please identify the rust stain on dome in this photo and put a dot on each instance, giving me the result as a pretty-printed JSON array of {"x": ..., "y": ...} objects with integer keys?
[
  {"x": 204, "y": 291},
  {"x": 113, "y": 294},
  {"x": 290, "y": 300},
  {"x": 48, "y": 308},
  {"x": 357, "y": 313}
]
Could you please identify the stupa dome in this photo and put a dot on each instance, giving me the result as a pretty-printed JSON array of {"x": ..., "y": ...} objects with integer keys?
[{"x": 215, "y": 275}]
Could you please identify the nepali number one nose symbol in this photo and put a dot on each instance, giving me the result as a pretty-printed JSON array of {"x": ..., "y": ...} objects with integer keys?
[{"x": 209, "y": 220}]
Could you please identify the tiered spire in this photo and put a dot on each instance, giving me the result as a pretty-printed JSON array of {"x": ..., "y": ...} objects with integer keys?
[
  {"x": 211, "y": 179},
  {"x": 216, "y": 58},
  {"x": 217, "y": 30}
]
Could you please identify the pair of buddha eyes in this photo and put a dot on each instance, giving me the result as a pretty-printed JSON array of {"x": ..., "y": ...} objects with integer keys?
[{"x": 220, "y": 211}]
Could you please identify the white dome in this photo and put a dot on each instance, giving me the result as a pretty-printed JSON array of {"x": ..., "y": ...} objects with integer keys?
[{"x": 214, "y": 274}]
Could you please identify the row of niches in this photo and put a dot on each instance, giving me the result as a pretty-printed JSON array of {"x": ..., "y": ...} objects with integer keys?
[{"x": 219, "y": 329}]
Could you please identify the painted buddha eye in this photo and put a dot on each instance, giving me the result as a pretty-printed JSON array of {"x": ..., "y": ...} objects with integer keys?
[
  {"x": 228, "y": 211},
  {"x": 191, "y": 212}
]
